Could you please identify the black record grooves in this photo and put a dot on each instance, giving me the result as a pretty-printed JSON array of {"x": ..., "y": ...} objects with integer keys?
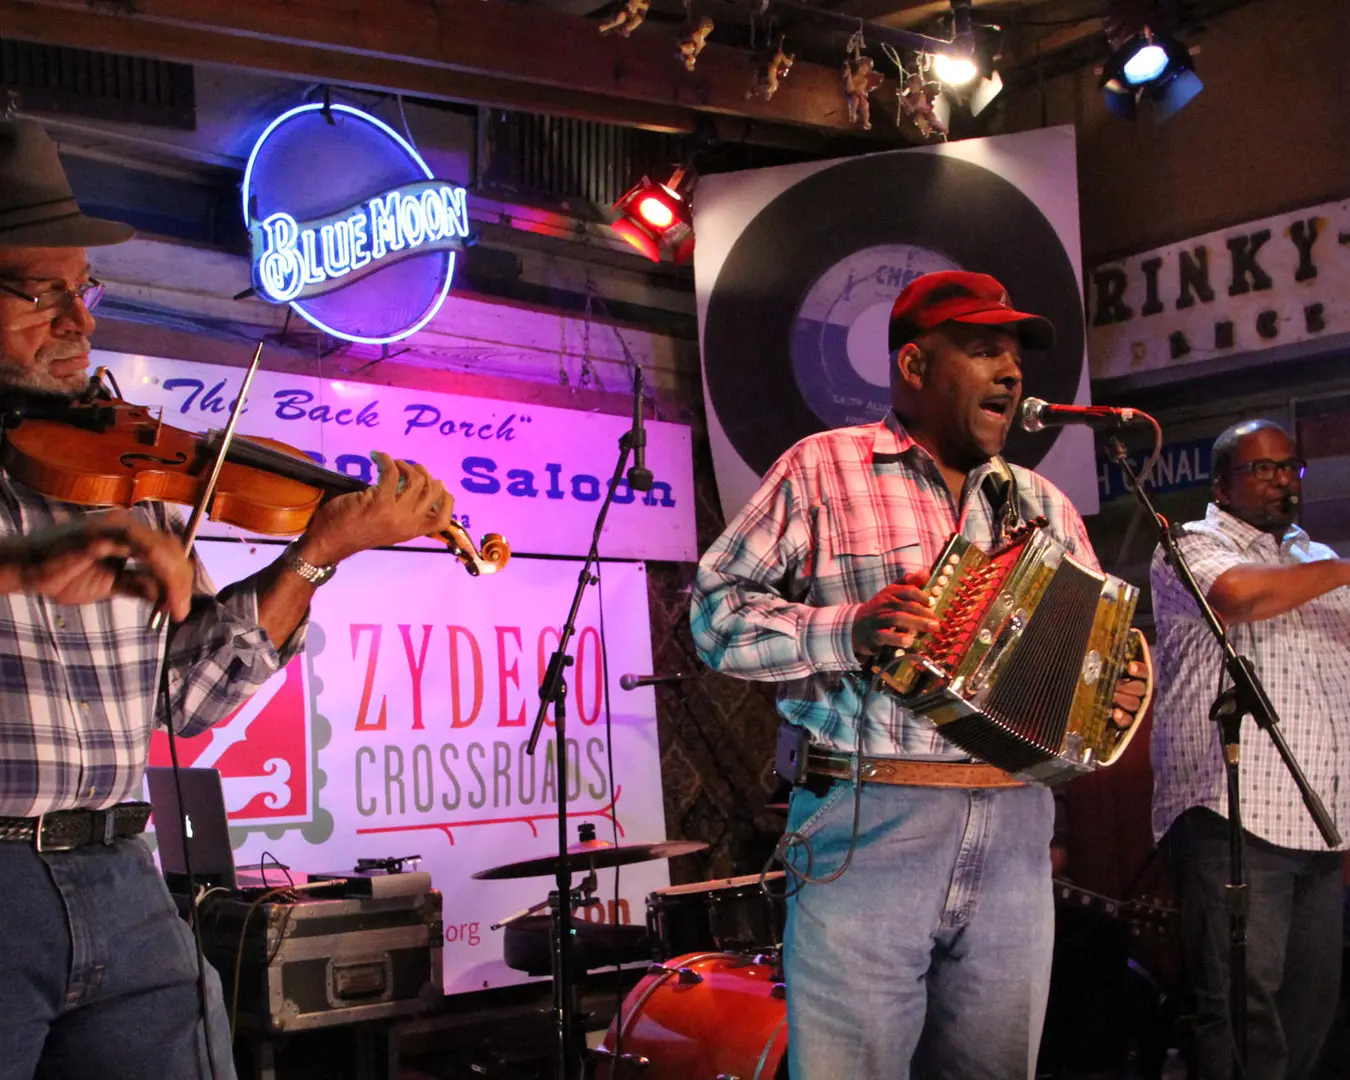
[{"x": 954, "y": 208}]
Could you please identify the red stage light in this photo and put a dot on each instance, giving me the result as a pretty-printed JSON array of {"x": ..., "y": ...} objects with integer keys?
[
  {"x": 655, "y": 212},
  {"x": 654, "y": 218}
]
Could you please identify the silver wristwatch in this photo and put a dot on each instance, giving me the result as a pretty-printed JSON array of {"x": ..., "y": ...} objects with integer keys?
[{"x": 315, "y": 575}]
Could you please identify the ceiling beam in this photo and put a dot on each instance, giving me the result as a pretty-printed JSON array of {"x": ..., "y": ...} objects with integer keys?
[{"x": 531, "y": 59}]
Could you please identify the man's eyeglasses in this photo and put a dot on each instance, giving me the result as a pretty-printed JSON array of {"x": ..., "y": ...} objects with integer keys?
[
  {"x": 59, "y": 300},
  {"x": 1265, "y": 468}
]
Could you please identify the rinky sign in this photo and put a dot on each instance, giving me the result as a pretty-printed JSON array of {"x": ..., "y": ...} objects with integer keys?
[{"x": 389, "y": 248}]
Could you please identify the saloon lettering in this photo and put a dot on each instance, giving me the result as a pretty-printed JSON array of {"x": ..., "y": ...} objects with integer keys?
[{"x": 480, "y": 474}]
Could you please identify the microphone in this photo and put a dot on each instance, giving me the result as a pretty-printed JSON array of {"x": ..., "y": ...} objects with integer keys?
[
  {"x": 639, "y": 476},
  {"x": 1036, "y": 415},
  {"x": 632, "y": 682}
]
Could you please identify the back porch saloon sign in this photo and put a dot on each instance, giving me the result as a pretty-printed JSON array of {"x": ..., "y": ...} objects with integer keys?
[{"x": 348, "y": 225}]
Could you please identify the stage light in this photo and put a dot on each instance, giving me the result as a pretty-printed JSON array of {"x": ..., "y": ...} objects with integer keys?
[
  {"x": 1152, "y": 66},
  {"x": 1145, "y": 65},
  {"x": 954, "y": 70},
  {"x": 655, "y": 212},
  {"x": 655, "y": 217}
]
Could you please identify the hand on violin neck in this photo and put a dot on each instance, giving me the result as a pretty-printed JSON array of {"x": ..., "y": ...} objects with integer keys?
[
  {"x": 85, "y": 560},
  {"x": 406, "y": 502}
]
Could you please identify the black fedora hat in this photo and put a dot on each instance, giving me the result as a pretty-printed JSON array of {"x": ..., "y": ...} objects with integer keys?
[{"x": 37, "y": 207}]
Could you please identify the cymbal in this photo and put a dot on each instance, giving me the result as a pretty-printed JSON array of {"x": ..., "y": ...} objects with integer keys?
[{"x": 592, "y": 855}]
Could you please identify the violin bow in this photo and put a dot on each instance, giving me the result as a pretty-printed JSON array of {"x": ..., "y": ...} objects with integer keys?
[{"x": 209, "y": 488}]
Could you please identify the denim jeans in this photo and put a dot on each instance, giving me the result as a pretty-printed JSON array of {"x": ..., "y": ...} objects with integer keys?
[
  {"x": 98, "y": 974},
  {"x": 930, "y": 956},
  {"x": 1294, "y": 931}
]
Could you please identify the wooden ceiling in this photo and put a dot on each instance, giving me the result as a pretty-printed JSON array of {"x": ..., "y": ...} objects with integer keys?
[{"x": 548, "y": 56}]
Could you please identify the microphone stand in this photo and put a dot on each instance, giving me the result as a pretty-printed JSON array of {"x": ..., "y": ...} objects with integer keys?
[
  {"x": 1246, "y": 697},
  {"x": 554, "y": 690}
]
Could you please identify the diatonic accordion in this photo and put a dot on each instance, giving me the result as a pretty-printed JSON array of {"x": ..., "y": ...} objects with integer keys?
[{"x": 1022, "y": 670}]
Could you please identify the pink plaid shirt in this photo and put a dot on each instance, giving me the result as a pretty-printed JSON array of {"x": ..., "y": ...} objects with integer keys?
[{"x": 840, "y": 516}]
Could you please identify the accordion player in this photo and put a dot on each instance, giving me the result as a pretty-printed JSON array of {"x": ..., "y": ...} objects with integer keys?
[{"x": 1022, "y": 669}]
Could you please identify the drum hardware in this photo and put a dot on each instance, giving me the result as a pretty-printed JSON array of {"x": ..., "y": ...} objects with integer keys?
[
  {"x": 583, "y": 896},
  {"x": 636, "y": 1060}
]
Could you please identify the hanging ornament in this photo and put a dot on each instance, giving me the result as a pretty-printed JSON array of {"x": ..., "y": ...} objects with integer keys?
[
  {"x": 860, "y": 79},
  {"x": 772, "y": 69},
  {"x": 628, "y": 18},
  {"x": 693, "y": 36},
  {"x": 915, "y": 97}
]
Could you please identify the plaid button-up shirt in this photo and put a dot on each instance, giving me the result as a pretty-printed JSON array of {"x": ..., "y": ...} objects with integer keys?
[
  {"x": 1302, "y": 658},
  {"x": 839, "y": 517},
  {"x": 78, "y": 682}
]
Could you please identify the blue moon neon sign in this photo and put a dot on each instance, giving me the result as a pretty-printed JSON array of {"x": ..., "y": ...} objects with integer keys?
[{"x": 349, "y": 225}]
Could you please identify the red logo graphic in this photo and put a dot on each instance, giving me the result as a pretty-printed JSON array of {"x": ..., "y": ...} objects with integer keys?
[{"x": 262, "y": 750}]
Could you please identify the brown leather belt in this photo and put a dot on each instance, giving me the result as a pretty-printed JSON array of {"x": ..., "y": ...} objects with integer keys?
[
  {"x": 884, "y": 770},
  {"x": 64, "y": 830}
]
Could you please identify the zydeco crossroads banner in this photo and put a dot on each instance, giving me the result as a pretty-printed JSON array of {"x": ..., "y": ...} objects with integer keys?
[
  {"x": 535, "y": 474},
  {"x": 402, "y": 731}
]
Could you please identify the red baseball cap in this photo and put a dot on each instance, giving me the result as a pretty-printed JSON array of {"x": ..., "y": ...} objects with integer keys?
[{"x": 958, "y": 296}]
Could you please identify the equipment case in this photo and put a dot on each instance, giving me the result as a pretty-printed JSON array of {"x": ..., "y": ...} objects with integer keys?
[{"x": 317, "y": 963}]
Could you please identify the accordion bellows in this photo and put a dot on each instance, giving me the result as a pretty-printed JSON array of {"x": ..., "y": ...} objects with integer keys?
[{"x": 1022, "y": 671}]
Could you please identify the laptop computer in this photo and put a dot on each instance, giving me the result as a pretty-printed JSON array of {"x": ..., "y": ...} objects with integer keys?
[{"x": 208, "y": 829}]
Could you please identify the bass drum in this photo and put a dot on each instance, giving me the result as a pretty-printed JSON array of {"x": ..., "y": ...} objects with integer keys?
[{"x": 699, "y": 1017}]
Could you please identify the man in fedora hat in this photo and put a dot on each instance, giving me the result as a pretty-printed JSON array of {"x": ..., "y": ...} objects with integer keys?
[
  {"x": 95, "y": 964},
  {"x": 920, "y": 931}
]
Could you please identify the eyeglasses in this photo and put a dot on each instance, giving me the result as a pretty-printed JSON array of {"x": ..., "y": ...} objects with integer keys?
[
  {"x": 59, "y": 300},
  {"x": 1265, "y": 468}
]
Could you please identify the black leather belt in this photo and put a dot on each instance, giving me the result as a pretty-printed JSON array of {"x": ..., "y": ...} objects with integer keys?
[{"x": 62, "y": 830}]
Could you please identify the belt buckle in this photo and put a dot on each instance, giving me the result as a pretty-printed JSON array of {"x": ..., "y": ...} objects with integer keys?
[
  {"x": 37, "y": 836},
  {"x": 49, "y": 847}
]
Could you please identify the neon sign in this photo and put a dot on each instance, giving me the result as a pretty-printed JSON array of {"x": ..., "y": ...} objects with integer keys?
[{"x": 390, "y": 249}]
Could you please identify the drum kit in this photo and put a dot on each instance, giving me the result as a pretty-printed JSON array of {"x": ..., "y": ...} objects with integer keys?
[{"x": 712, "y": 1002}]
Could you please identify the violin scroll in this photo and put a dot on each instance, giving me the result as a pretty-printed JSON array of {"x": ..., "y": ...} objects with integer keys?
[{"x": 489, "y": 559}]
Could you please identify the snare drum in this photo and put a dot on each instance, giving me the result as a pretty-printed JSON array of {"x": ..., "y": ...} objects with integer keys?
[
  {"x": 731, "y": 914},
  {"x": 701, "y": 1016}
]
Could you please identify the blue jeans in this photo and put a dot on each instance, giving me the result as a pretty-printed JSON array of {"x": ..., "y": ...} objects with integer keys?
[
  {"x": 98, "y": 973},
  {"x": 930, "y": 956},
  {"x": 1294, "y": 930}
]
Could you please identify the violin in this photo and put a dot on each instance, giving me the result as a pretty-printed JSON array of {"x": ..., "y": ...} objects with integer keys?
[{"x": 109, "y": 452}]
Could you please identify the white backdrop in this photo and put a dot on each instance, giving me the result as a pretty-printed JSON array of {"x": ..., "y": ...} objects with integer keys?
[
  {"x": 401, "y": 731},
  {"x": 532, "y": 473}
]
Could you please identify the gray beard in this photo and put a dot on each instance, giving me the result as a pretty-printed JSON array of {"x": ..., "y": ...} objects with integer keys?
[{"x": 39, "y": 379}]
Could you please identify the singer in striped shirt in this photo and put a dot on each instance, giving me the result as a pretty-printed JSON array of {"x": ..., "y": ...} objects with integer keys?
[{"x": 930, "y": 955}]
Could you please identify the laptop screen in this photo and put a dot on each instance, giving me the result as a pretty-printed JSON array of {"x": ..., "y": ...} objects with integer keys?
[{"x": 208, "y": 830}]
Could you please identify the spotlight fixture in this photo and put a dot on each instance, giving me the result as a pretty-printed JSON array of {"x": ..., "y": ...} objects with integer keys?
[
  {"x": 1153, "y": 66},
  {"x": 953, "y": 69},
  {"x": 963, "y": 83},
  {"x": 655, "y": 217}
]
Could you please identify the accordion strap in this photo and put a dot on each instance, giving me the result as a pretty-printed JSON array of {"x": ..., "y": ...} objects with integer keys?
[{"x": 1000, "y": 489}]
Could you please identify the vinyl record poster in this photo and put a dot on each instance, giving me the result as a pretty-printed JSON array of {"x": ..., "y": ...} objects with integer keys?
[{"x": 797, "y": 267}]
